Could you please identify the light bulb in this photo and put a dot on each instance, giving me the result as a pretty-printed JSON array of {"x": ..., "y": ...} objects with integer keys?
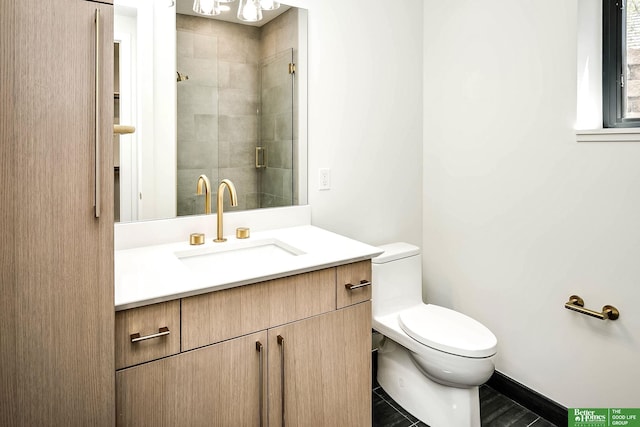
[
  {"x": 250, "y": 13},
  {"x": 206, "y": 7},
  {"x": 249, "y": 10},
  {"x": 269, "y": 4}
]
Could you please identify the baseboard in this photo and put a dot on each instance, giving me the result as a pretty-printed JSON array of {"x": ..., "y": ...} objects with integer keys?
[{"x": 530, "y": 399}]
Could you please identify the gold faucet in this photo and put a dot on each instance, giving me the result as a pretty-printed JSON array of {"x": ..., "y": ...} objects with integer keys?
[
  {"x": 202, "y": 179},
  {"x": 234, "y": 202}
]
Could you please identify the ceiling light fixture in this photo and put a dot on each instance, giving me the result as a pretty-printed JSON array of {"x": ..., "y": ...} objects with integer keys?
[
  {"x": 206, "y": 7},
  {"x": 248, "y": 10},
  {"x": 269, "y": 4}
]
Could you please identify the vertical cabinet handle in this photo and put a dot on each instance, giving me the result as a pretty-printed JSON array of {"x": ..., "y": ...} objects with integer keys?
[
  {"x": 97, "y": 120},
  {"x": 261, "y": 382},
  {"x": 282, "y": 394}
]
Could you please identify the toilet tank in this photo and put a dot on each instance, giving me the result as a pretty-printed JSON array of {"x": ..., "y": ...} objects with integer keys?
[{"x": 396, "y": 278}]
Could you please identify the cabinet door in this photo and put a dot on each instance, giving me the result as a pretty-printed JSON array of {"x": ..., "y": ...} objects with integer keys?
[
  {"x": 325, "y": 362},
  {"x": 357, "y": 275},
  {"x": 229, "y": 313},
  {"x": 56, "y": 257},
  {"x": 161, "y": 319},
  {"x": 218, "y": 385}
]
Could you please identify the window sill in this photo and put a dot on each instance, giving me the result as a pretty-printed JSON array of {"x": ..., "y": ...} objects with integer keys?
[{"x": 608, "y": 135}]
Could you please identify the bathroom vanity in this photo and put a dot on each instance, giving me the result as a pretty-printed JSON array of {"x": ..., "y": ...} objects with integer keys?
[{"x": 284, "y": 342}]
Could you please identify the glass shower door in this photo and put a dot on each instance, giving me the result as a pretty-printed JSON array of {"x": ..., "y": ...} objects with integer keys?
[{"x": 276, "y": 145}]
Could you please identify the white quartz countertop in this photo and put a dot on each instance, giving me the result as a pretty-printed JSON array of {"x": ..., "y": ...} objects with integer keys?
[{"x": 152, "y": 274}]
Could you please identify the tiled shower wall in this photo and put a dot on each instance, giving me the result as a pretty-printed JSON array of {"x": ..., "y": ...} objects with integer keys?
[
  {"x": 197, "y": 120},
  {"x": 217, "y": 121}
]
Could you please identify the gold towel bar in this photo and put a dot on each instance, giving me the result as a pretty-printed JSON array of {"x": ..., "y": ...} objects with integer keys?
[
  {"x": 576, "y": 303},
  {"x": 122, "y": 129}
]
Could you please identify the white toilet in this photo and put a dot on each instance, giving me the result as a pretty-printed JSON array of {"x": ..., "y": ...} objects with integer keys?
[{"x": 432, "y": 359}]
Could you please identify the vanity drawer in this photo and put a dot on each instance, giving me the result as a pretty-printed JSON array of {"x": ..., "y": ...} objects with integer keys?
[
  {"x": 353, "y": 283},
  {"x": 221, "y": 315},
  {"x": 157, "y": 333}
]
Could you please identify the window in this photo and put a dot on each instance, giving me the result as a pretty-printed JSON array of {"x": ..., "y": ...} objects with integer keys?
[{"x": 621, "y": 63}]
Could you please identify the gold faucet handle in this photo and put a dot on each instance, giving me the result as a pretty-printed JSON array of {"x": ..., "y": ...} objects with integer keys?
[
  {"x": 196, "y": 239},
  {"x": 242, "y": 233}
]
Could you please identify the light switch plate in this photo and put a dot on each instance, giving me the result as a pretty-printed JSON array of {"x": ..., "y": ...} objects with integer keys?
[{"x": 324, "y": 179}]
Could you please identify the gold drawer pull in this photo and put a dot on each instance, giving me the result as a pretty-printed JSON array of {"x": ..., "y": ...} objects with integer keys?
[
  {"x": 362, "y": 284},
  {"x": 161, "y": 333}
]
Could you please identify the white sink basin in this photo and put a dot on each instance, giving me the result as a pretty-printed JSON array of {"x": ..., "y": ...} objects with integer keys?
[{"x": 236, "y": 254}]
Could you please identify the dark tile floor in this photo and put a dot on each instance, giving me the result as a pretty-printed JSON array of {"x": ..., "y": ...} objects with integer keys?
[{"x": 496, "y": 410}]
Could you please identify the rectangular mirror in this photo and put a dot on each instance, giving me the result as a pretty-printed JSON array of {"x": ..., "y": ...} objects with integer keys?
[{"x": 207, "y": 95}]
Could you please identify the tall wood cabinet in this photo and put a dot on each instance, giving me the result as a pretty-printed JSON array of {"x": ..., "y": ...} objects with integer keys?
[{"x": 56, "y": 257}]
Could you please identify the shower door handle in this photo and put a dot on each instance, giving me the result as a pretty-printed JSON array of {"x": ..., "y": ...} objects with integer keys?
[{"x": 261, "y": 160}]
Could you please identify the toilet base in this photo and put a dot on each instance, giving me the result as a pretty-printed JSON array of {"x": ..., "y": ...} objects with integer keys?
[{"x": 432, "y": 403}]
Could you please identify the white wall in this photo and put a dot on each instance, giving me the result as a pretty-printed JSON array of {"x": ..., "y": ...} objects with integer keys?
[
  {"x": 517, "y": 215},
  {"x": 125, "y": 34},
  {"x": 162, "y": 194},
  {"x": 365, "y": 118},
  {"x": 155, "y": 98}
]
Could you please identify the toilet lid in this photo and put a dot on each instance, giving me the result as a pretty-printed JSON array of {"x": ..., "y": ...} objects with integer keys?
[{"x": 447, "y": 330}]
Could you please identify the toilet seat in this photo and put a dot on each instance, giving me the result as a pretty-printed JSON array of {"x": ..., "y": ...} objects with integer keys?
[{"x": 448, "y": 331}]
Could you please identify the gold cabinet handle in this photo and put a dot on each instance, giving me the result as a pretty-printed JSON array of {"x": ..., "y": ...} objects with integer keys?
[
  {"x": 97, "y": 188},
  {"x": 259, "y": 348},
  {"x": 362, "y": 284},
  {"x": 161, "y": 333},
  {"x": 282, "y": 393},
  {"x": 576, "y": 303}
]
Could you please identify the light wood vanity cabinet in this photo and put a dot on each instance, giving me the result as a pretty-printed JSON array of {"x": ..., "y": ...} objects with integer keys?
[{"x": 238, "y": 345}]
